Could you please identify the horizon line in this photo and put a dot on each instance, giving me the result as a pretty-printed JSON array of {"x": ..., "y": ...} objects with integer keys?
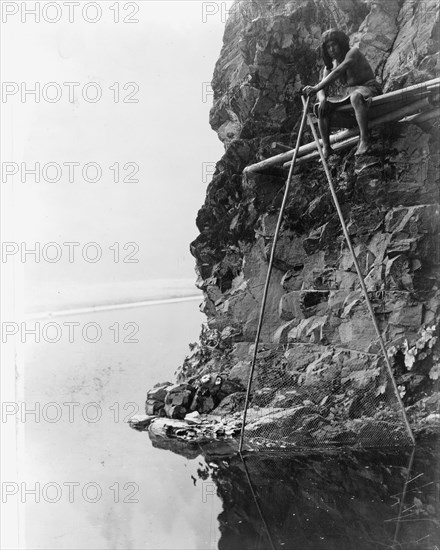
[{"x": 110, "y": 307}]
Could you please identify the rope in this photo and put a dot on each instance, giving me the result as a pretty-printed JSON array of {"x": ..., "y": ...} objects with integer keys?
[{"x": 269, "y": 269}]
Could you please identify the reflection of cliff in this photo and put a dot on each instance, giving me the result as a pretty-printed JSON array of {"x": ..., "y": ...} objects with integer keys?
[
  {"x": 329, "y": 501},
  {"x": 332, "y": 500},
  {"x": 390, "y": 201}
]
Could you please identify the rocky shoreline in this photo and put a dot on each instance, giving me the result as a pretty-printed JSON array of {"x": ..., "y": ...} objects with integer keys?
[
  {"x": 320, "y": 378},
  {"x": 209, "y": 412}
]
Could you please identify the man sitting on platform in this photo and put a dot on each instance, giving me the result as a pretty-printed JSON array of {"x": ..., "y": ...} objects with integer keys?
[{"x": 351, "y": 68}]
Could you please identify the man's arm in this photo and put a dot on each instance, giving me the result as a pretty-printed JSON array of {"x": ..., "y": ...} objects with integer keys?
[
  {"x": 322, "y": 93},
  {"x": 338, "y": 71},
  {"x": 334, "y": 74}
]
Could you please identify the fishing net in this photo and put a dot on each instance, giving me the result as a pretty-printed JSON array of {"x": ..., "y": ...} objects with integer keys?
[
  {"x": 318, "y": 396},
  {"x": 311, "y": 396}
]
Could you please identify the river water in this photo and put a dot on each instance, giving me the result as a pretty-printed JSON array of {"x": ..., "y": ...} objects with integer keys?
[
  {"x": 145, "y": 498},
  {"x": 94, "y": 483}
]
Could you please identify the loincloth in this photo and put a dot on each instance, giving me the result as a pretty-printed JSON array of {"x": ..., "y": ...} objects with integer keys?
[{"x": 369, "y": 89}]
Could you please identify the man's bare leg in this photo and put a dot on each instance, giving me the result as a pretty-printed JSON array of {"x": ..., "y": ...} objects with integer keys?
[
  {"x": 361, "y": 112},
  {"x": 324, "y": 128}
]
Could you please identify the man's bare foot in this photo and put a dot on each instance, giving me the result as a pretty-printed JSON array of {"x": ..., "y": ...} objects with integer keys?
[
  {"x": 327, "y": 151},
  {"x": 362, "y": 148}
]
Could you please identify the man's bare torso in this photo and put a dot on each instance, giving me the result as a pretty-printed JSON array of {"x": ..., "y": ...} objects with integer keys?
[
  {"x": 352, "y": 70},
  {"x": 359, "y": 71}
]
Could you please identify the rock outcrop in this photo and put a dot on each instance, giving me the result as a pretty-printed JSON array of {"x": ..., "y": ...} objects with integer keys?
[
  {"x": 389, "y": 201},
  {"x": 319, "y": 370}
]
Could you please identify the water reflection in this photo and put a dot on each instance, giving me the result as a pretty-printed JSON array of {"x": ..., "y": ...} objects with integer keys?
[{"x": 339, "y": 499}]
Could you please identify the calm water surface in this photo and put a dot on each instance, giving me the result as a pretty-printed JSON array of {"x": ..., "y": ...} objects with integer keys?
[
  {"x": 111, "y": 488},
  {"x": 163, "y": 506}
]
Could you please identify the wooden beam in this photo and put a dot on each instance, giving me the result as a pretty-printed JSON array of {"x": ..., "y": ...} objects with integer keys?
[
  {"x": 410, "y": 94},
  {"x": 422, "y": 117},
  {"x": 384, "y": 104},
  {"x": 418, "y": 118},
  {"x": 339, "y": 146},
  {"x": 415, "y": 119},
  {"x": 305, "y": 149},
  {"x": 394, "y": 115}
]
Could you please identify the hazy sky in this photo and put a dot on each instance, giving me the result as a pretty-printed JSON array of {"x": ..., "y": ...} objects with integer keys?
[{"x": 169, "y": 58}]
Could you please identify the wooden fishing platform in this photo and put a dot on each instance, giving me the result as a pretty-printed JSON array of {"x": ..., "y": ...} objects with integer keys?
[{"x": 418, "y": 103}]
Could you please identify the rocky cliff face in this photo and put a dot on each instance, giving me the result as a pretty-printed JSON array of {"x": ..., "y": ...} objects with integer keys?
[{"x": 270, "y": 51}]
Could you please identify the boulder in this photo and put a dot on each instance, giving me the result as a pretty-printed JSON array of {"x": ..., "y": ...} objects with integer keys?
[
  {"x": 282, "y": 332},
  {"x": 209, "y": 393},
  {"x": 231, "y": 404},
  {"x": 140, "y": 421},
  {"x": 153, "y": 407},
  {"x": 229, "y": 387},
  {"x": 291, "y": 306},
  {"x": 175, "y": 411},
  {"x": 193, "y": 418},
  {"x": 240, "y": 372},
  {"x": 179, "y": 395},
  {"x": 159, "y": 392}
]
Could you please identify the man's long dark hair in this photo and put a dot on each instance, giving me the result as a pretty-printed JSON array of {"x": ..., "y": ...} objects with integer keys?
[{"x": 337, "y": 36}]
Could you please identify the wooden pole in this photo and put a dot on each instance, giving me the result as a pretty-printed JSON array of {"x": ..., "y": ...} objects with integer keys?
[
  {"x": 269, "y": 269},
  {"x": 417, "y": 90},
  {"x": 416, "y": 119},
  {"x": 394, "y": 115},
  {"x": 305, "y": 149},
  {"x": 383, "y": 100},
  {"x": 361, "y": 278},
  {"x": 422, "y": 117},
  {"x": 338, "y": 147}
]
